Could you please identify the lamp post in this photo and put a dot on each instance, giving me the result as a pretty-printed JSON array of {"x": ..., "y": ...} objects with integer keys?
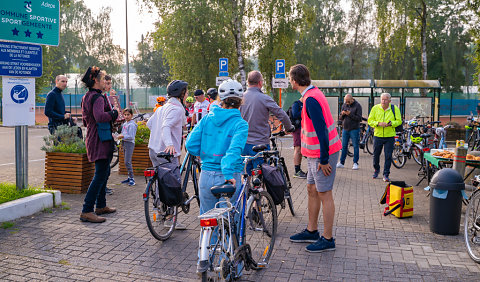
[{"x": 127, "y": 98}]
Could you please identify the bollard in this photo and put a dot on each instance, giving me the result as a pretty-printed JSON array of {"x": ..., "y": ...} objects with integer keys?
[{"x": 459, "y": 160}]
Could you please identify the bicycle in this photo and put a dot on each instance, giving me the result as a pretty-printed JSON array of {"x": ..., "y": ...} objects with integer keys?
[
  {"x": 472, "y": 223},
  {"x": 473, "y": 139},
  {"x": 190, "y": 166},
  {"x": 279, "y": 162},
  {"x": 238, "y": 236},
  {"x": 156, "y": 212},
  {"x": 366, "y": 137},
  {"x": 407, "y": 146}
]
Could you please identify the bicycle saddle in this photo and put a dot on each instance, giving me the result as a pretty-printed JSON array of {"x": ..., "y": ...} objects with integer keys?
[
  {"x": 224, "y": 190},
  {"x": 425, "y": 135},
  {"x": 259, "y": 148},
  {"x": 164, "y": 155}
]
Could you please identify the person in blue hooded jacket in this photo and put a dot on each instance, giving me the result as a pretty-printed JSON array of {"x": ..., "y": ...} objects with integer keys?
[{"x": 219, "y": 139}]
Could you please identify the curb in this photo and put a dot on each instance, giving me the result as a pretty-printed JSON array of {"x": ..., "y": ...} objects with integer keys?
[{"x": 29, "y": 205}]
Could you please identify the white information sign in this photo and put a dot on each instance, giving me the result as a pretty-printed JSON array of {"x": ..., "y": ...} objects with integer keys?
[
  {"x": 18, "y": 101},
  {"x": 221, "y": 79},
  {"x": 280, "y": 83}
]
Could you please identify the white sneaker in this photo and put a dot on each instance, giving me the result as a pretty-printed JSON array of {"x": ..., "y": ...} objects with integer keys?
[
  {"x": 178, "y": 225},
  {"x": 355, "y": 166},
  {"x": 340, "y": 165}
]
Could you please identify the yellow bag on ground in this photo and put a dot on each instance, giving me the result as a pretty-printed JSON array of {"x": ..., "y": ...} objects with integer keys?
[{"x": 399, "y": 197}]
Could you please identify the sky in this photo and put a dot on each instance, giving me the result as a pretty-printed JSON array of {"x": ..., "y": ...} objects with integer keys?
[{"x": 139, "y": 21}]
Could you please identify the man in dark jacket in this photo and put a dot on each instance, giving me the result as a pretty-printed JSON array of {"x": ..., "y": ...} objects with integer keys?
[
  {"x": 351, "y": 116},
  {"x": 55, "y": 105}
]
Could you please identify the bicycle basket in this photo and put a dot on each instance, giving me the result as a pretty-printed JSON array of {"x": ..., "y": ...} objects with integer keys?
[
  {"x": 169, "y": 186},
  {"x": 274, "y": 182}
]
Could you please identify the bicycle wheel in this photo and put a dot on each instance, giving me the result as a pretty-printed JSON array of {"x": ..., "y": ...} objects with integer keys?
[
  {"x": 472, "y": 227},
  {"x": 160, "y": 219},
  {"x": 261, "y": 228},
  {"x": 220, "y": 258},
  {"x": 417, "y": 154},
  {"x": 369, "y": 144},
  {"x": 471, "y": 140},
  {"x": 195, "y": 181},
  {"x": 398, "y": 158},
  {"x": 286, "y": 179},
  {"x": 116, "y": 156},
  {"x": 350, "y": 149}
]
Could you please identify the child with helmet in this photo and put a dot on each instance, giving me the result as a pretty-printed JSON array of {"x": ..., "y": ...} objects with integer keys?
[
  {"x": 221, "y": 152},
  {"x": 189, "y": 107},
  {"x": 160, "y": 102}
]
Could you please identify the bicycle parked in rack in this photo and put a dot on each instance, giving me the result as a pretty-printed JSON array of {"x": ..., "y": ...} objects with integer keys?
[
  {"x": 161, "y": 218},
  {"x": 239, "y": 236},
  {"x": 366, "y": 137},
  {"x": 407, "y": 145},
  {"x": 473, "y": 139}
]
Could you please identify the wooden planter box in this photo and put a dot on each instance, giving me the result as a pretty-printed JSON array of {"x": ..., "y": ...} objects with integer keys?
[
  {"x": 140, "y": 160},
  {"x": 68, "y": 172}
]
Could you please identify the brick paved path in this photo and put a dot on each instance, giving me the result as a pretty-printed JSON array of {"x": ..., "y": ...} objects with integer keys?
[{"x": 57, "y": 246}]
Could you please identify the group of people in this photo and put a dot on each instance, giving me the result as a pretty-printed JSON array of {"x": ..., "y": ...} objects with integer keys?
[{"x": 227, "y": 125}]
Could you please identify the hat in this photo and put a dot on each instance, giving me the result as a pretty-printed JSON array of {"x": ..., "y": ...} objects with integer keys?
[{"x": 198, "y": 92}]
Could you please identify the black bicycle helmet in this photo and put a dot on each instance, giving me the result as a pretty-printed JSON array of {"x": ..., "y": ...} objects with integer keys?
[
  {"x": 212, "y": 93},
  {"x": 175, "y": 88}
]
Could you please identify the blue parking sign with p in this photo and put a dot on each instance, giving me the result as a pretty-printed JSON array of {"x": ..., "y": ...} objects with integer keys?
[
  {"x": 223, "y": 64},
  {"x": 280, "y": 68}
]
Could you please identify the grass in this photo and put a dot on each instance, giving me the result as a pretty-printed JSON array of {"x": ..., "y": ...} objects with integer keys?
[
  {"x": 7, "y": 224},
  {"x": 9, "y": 192}
]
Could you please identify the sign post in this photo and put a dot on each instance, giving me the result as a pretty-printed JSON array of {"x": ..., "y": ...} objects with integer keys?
[
  {"x": 222, "y": 71},
  {"x": 280, "y": 81},
  {"x": 33, "y": 22}
]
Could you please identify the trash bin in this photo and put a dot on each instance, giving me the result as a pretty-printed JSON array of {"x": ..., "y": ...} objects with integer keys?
[{"x": 447, "y": 189}]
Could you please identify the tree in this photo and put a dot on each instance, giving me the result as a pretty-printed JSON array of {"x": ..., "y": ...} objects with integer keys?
[
  {"x": 149, "y": 64},
  {"x": 321, "y": 41},
  {"x": 277, "y": 35},
  {"x": 193, "y": 36},
  {"x": 474, "y": 6}
]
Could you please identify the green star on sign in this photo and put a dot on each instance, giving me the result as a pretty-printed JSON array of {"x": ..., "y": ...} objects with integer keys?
[{"x": 33, "y": 21}]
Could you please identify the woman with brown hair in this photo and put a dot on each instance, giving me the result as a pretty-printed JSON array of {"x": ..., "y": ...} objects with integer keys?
[{"x": 97, "y": 117}]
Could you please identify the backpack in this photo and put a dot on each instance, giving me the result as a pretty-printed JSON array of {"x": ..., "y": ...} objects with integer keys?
[
  {"x": 169, "y": 186},
  {"x": 399, "y": 198},
  {"x": 274, "y": 182},
  {"x": 296, "y": 122},
  {"x": 398, "y": 129}
]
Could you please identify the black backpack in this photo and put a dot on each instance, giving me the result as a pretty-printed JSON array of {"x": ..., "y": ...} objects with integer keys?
[
  {"x": 273, "y": 179},
  {"x": 398, "y": 129},
  {"x": 169, "y": 186},
  {"x": 296, "y": 122}
]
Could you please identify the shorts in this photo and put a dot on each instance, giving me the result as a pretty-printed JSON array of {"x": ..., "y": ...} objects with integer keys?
[
  {"x": 322, "y": 183},
  {"x": 297, "y": 142}
]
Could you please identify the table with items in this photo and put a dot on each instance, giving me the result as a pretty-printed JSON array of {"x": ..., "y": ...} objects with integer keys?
[{"x": 440, "y": 159}]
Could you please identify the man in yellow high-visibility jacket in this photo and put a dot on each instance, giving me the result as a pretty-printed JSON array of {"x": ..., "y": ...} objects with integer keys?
[{"x": 384, "y": 121}]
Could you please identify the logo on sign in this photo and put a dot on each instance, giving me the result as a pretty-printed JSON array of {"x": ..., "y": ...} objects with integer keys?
[
  {"x": 19, "y": 94},
  {"x": 28, "y": 6}
]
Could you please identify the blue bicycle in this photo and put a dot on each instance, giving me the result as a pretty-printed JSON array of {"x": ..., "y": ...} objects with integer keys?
[{"x": 240, "y": 235}]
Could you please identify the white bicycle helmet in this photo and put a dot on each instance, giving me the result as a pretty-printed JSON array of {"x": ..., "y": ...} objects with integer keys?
[{"x": 230, "y": 88}]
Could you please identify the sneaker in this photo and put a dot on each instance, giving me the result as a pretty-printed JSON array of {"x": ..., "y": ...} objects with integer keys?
[
  {"x": 178, "y": 225},
  {"x": 108, "y": 191},
  {"x": 386, "y": 179},
  {"x": 355, "y": 166},
  {"x": 321, "y": 245},
  {"x": 340, "y": 165},
  {"x": 131, "y": 182},
  {"x": 305, "y": 237},
  {"x": 300, "y": 174},
  {"x": 375, "y": 174},
  {"x": 126, "y": 181}
]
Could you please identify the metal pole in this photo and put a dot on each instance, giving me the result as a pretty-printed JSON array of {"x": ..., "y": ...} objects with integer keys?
[
  {"x": 127, "y": 101},
  {"x": 451, "y": 105},
  {"x": 21, "y": 156}
]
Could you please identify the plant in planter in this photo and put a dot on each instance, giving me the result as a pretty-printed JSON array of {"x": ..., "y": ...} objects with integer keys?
[
  {"x": 140, "y": 158},
  {"x": 66, "y": 164}
]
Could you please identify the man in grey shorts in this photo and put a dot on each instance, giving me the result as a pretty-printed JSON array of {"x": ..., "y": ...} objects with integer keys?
[{"x": 321, "y": 145}]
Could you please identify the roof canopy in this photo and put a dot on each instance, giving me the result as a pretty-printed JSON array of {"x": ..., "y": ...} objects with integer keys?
[{"x": 370, "y": 83}]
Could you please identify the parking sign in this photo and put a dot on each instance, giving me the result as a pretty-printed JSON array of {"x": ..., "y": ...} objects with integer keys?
[
  {"x": 280, "y": 68},
  {"x": 223, "y": 64}
]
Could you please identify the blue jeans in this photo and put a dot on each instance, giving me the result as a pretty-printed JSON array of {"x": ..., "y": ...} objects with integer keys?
[
  {"x": 208, "y": 179},
  {"x": 247, "y": 151},
  {"x": 346, "y": 136},
  {"x": 387, "y": 144},
  {"x": 96, "y": 190}
]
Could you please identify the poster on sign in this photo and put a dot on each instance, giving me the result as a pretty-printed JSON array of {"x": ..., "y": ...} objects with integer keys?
[
  {"x": 114, "y": 101},
  {"x": 18, "y": 101}
]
